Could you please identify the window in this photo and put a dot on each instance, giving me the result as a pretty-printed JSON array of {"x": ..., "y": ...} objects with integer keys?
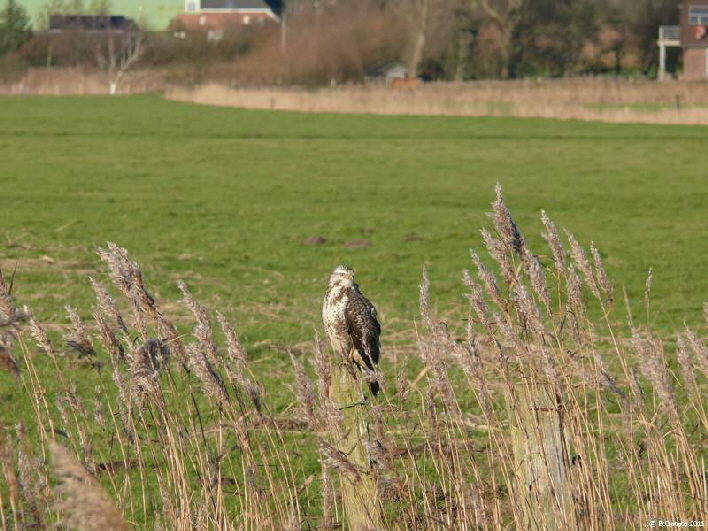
[
  {"x": 215, "y": 35},
  {"x": 191, "y": 6},
  {"x": 698, "y": 15}
]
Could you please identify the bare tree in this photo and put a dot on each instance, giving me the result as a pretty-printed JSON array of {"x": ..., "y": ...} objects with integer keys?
[
  {"x": 420, "y": 13},
  {"x": 504, "y": 14},
  {"x": 416, "y": 15},
  {"x": 117, "y": 51},
  {"x": 644, "y": 18},
  {"x": 466, "y": 17}
]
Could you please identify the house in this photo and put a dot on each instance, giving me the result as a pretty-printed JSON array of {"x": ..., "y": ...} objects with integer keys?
[
  {"x": 257, "y": 7},
  {"x": 693, "y": 35},
  {"x": 154, "y": 15},
  {"x": 218, "y": 15}
]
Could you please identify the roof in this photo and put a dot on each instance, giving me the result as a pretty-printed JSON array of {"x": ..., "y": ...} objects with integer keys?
[
  {"x": 152, "y": 14},
  {"x": 234, "y": 4},
  {"x": 89, "y": 22},
  {"x": 385, "y": 68}
]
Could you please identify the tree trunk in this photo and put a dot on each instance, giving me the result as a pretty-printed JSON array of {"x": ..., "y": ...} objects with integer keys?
[
  {"x": 463, "y": 54},
  {"x": 505, "y": 52},
  {"x": 419, "y": 42},
  {"x": 359, "y": 492}
]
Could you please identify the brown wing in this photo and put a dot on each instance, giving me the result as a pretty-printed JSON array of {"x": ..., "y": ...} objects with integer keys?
[{"x": 363, "y": 327}]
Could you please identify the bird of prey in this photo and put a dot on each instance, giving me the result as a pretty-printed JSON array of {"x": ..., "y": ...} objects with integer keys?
[{"x": 350, "y": 322}]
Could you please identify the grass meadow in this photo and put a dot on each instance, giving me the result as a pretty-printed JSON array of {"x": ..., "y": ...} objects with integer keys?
[{"x": 252, "y": 209}]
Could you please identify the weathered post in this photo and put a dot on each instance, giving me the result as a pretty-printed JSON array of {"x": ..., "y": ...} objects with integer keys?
[
  {"x": 359, "y": 491},
  {"x": 542, "y": 459}
]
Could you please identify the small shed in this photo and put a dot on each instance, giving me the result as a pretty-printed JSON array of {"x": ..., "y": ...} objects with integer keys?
[{"x": 388, "y": 72}]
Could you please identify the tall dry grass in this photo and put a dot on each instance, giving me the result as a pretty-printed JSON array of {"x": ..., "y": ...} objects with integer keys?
[
  {"x": 542, "y": 410},
  {"x": 595, "y": 99},
  {"x": 78, "y": 81},
  {"x": 610, "y": 100}
]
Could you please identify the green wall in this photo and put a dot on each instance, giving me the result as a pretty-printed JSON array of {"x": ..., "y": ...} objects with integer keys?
[{"x": 153, "y": 14}]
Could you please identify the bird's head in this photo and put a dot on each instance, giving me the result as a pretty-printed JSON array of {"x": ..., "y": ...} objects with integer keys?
[{"x": 342, "y": 276}]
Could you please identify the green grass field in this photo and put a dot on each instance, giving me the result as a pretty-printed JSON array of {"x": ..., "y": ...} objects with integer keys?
[{"x": 224, "y": 199}]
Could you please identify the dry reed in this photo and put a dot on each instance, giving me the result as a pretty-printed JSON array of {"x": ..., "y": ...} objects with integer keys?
[
  {"x": 596, "y": 99},
  {"x": 77, "y": 81}
]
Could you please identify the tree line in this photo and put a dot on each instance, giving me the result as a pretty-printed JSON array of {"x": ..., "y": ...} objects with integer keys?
[
  {"x": 325, "y": 41},
  {"x": 467, "y": 39}
]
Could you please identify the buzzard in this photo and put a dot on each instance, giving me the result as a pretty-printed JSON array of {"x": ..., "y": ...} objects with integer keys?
[{"x": 350, "y": 322}]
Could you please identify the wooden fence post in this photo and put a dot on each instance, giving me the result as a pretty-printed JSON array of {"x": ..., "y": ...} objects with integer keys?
[
  {"x": 541, "y": 456},
  {"x": 359, "y": 492}
]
